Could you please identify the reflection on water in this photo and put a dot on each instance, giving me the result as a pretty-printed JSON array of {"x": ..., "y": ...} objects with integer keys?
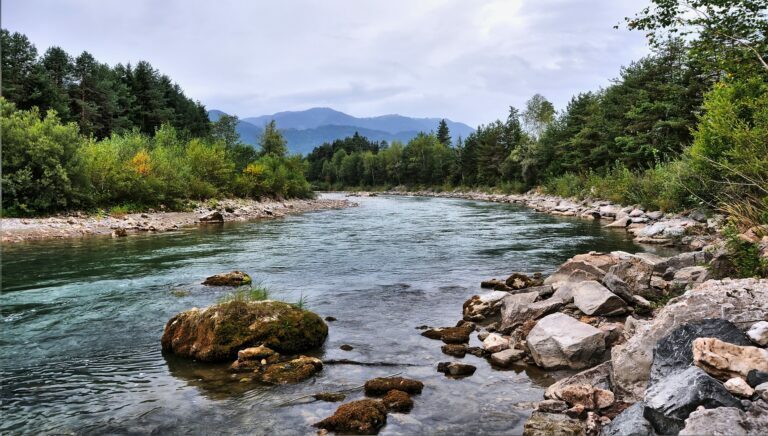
[{"x": 82, "y": 319}]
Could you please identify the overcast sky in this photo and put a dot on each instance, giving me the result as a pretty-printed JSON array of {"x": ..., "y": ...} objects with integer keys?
[{"x": 467, "y": 60}]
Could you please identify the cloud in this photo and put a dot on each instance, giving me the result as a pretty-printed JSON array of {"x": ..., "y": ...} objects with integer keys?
[{"x": 465, "y": 60}]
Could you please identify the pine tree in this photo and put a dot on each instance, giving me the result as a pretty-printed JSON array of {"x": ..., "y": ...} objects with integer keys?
[
  {"x": 272, "y": 141},
  {"x": 443, "y": 134}
]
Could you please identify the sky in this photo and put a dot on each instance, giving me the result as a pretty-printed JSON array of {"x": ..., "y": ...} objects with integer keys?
[{"x": 466, "y": 60}]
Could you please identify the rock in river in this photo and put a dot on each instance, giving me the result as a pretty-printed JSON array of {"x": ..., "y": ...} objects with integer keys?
[
  {"x": 380, "y": 386},
  {"x": 292, "y": 371},
  {"x": 358, "y": 417},
  {"x": 456, "y": 369},
  {"x": 218, "y": 332},
  {"x": 234, "y": 278},
  {"x": 397, "y": 401},
  {"x": 559, "y": 341}
]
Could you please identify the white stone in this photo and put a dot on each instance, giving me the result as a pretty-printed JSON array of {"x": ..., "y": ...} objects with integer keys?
[
  {"x": 495, "y": 343},
  {"x": 559, "y": 341},
  {"x": 738, "y": 386},
  {"x": 759, "y": 333}
]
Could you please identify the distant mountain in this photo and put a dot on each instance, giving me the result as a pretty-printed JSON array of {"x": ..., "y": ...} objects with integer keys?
[
  {"x": 320, "y": 116},
  {"x": 307, "y": 129}
]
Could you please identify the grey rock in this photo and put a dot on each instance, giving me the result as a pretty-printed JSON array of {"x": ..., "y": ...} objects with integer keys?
[
  {"x": 506, "y": 357},
  {"x": 654, "y": 215},
  {"x": 636, "y": 273},
  {"x": 620, "y": 222},
  {"x": 564, "y": 291},
  {"x": 598, "y": 376},
  {"x": 739, "y": 301},
  {"x": 674, "y": 352},
  {"x": 698, "y": 215},
  {"x": 559, "y": 341},
  {"x": 618, "y": 287},
  {"x": 630, "y": 422},
  {"x": 592, "y": 298},
  {"x": 517, "y": 309},
  {"x": 693, "y": 258},
  {"x": 726, "y": 421},
  {"x": 669, "y": 402},
  {"x": 756, "y": 377}
]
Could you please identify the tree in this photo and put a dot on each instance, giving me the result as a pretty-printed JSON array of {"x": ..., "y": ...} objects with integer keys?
[
  {"x": 538, "y": 113},
  {"x": 272, "y": 141},
  {"x": 731, "y": 35},
  {"x": 18, "y": 63},
  {"x": 443, "y": 134}
]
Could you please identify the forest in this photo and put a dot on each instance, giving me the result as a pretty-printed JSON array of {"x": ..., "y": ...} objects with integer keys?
[
  {"x": 684, "y": 127},
  {"x": 79, "y": 134}
]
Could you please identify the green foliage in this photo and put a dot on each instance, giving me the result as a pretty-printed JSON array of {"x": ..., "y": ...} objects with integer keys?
[
  {"x": 101, "y": 99},
  {"x": 246, "y": 294},
  {"x": 272, "y": 141},
  {"x": 41, "y": 166},
  {"x": 744, "y": 256}
]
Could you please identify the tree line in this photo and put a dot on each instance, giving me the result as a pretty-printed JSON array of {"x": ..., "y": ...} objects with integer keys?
[
  {"x": 686, "y": 126},
  {"x": 79, "y": 134}
]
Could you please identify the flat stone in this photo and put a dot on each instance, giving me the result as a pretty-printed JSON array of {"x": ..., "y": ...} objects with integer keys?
[
  {"x": 559, "y": 341},
  {"x": 506, "y": 357},
  {"x": 725, "y": 360},
  {"x": 669, "y": 401},
  {"x": 592, "y": 298}
]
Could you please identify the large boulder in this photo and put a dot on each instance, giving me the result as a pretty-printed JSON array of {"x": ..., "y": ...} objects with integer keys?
[
  {"x": 669, "y": 401},
  {"x": 725, "y": 360},
  {"x": 675, "y": 352},
  {"x": 727, "y": 421},
  {"x": 590, "y": 266},
  {"x": 559, "y": 341},
  {"x": 630, "y": 422},
  {"x": 517, "y": 309},
  {"x": 635, "y": 272},
  {"x": 358, "y": 417},
  {"x": 218, "y": 332},
  {"x": 739, "y": 301},
  {"x": 592, "y": 298}
]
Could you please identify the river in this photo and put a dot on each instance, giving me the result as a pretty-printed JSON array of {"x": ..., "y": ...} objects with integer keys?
[{"x": 82, "y": 319}]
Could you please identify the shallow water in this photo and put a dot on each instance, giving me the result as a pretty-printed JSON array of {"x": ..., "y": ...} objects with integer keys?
[{"x": 82, "y": 319}]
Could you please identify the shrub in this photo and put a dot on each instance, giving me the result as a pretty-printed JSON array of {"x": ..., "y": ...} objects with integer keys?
[{"x": 744, "y": 256}]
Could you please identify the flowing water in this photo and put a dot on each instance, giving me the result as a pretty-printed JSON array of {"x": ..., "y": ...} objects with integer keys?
[{"x": 82, "y": 319}]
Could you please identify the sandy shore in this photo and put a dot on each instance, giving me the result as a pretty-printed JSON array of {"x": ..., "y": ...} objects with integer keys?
[{"x": 15, "y": 230}]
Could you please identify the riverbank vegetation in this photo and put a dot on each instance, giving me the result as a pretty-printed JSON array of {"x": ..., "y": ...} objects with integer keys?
[
  {"x": 79, "y": 134},
  {"x": 684, "y": 127}
]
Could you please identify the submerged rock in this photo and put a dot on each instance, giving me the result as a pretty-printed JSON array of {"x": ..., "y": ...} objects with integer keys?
[
  {"x": 724, "y": 360},
  {"x": 218, "y": 332},
  {"x": 234, "y": 278},
  {"x": 331, "y": 397},
  {"x": 672, "y": 399},
  {"x": 456, "y": 369},
  {"x": 397, "y": 401},
  {"x": 380, "y": 386},
  {"x": 358, "y": 417},
  {"x": 559, "y": 341},
  {"x": 292, "y": 371}
]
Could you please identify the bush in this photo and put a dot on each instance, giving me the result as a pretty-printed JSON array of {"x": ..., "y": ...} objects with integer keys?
[{"x": 744, "y": 256}]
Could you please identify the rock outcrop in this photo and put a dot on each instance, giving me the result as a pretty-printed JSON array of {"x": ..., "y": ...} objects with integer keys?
[
  {"x": 218, "y": 332},
  {"x": 559, "y": 341},
  {"x": 739, "y": 301}
]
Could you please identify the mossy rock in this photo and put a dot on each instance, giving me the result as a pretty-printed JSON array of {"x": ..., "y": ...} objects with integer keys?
[
  {"x": 357, "y": 417},
  {"x": 234, "y": 279},
  {"x": 218, "y": 332},
  {"x": 293, "y": 371}
]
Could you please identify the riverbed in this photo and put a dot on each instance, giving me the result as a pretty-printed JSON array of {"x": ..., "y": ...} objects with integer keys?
[{"x": 82, "y": 318}]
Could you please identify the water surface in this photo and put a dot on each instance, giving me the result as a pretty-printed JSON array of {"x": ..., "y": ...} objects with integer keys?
[{"x": 82, "y": 319}]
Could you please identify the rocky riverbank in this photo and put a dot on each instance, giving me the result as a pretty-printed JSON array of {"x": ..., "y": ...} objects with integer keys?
[
  {"x": 695, "y": 365},
  {"x": 80, "y": 224},
  {"x": 691, "y": 230}
]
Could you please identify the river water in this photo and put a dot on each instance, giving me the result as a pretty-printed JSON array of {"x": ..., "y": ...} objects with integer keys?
[{"x": 82, "y": 319}]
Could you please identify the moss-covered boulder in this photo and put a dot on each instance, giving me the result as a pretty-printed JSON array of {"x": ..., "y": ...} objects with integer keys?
[
  {"x": 292, "y": 371},
  {"x": 218, "y": 332},
  {"x": 234, "y": 278}
]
